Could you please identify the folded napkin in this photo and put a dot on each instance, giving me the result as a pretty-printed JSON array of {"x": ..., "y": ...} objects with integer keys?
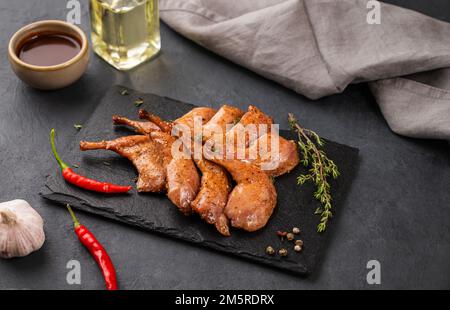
[{"x": 319, "y": 47}]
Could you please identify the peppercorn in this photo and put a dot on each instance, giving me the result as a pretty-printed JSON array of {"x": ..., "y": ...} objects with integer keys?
[
  {"x": 296, "y": 230},
  {"x": 299, "y": 242},
  {"x": 290, "y": 236},
  {"x": 283, "y": 252},
  {"x": 297, "y": 248},
  {"x": 270, "y": 250}
]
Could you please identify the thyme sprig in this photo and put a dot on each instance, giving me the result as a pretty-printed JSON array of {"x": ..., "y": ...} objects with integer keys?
[{"x": 321, "y": 168}]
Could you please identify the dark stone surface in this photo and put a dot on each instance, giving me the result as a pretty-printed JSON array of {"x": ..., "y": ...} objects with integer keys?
[
  {"x": 155, "y": 213},
  {"x": 397, "y": 211}
]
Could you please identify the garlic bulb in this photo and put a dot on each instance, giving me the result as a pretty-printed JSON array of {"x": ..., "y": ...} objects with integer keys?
[{"x": 21, "y": 229}]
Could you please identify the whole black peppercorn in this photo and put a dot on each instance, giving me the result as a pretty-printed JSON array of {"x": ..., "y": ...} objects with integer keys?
[
  {"x": 270, "y": 250},
  {"x": 283, "y": 252}
]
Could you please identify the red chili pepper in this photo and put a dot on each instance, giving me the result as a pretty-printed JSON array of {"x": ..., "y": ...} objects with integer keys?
[
  {"x": 70, "y": 176},
  {"x": 97, "y": 251}
]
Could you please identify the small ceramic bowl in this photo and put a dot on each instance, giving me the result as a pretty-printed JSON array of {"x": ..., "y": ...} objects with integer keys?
[{"x": 49, "y": 77}]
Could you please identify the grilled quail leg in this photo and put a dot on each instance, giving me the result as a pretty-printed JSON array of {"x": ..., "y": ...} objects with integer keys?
[
  {"x": 159, "y": 122},
  {"x": 213, "y": 195},
  {"x": 217, "y": 125},
  {"x": 281, "y": 162},
  {"x": 182, "y": 179},
  {"x": 253, "y": 199},
  {"x": 144, "y": 153},
  {"x": 253, "y": 117},
  {"x": 257, "y": 146},
  {"x": 215, "y": 184},
  {"x": 203, "y": 113},
  {"x": 140, "y": 127}
]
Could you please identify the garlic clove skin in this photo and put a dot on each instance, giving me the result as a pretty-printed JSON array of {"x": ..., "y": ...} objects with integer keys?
[{"x": 21, "y": 229}]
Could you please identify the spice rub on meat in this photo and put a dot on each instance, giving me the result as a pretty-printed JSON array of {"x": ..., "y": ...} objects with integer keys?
[
  {"x": 144, "y": 153},
  {"x": 158, "y": 169},
  {"x": 249, "y": 204},
  {"x": 215, "y": 184}
]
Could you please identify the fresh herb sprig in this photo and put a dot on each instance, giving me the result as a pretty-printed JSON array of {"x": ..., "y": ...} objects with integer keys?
[
  {"x": 138, "y": 102},
  {"x": 321, "y": 168}
]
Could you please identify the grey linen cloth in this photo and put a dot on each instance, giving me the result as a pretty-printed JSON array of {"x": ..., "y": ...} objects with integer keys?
[{"x": 319, "y": 47}]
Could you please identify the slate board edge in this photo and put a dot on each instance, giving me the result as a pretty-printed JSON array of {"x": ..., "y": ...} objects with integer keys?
[{"x": 76, "y": 203}]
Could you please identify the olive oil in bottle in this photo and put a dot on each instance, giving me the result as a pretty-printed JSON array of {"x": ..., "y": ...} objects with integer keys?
[{"x": 125, "y": 33}]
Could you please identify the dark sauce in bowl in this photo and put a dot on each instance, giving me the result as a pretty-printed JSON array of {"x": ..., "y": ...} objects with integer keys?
[{"x": 48, "y": 49}]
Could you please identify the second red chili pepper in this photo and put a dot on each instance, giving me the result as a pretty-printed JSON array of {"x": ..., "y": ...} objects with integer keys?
[
  {"x": 97, "y": 251},
  {"x": 70, "y": 176}
]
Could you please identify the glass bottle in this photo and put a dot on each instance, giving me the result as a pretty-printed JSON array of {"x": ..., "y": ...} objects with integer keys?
[{"x": 125, "y": 33}]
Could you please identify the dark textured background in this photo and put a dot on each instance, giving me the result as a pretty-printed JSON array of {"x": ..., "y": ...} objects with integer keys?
[{"x": 397, "y": 212}]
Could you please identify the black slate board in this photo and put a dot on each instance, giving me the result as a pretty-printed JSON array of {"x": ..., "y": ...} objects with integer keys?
[{"x": 155, "y": 213}]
